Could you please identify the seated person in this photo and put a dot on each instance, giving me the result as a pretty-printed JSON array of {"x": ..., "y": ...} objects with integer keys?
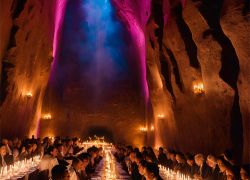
[
  {"x": 133, "y": 168},
  {"x": 142, "y": 169},
  {"x": 49, "y": 160},
  {"x": 181, "y": 165},
  {"x": 5, "y": 158},
  {"x": 192, "y": 168},
  {"x": 60, "y": 172},
  {"x": 84, "y": 157},
  {"x": 212, "y": 163},
  {"x": 90, "y": 169},
  {"x": 245, "y": 172},
  {"x": 204, "y": 170},
  {"x": 152, "y": 172},
  {"x": 75, "y": 169},
  {"x": 162, "y": 157}
]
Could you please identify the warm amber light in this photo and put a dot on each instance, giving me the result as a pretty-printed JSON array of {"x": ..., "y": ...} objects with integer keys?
[
  {"x": 160, "y": 115},
  {"x": 47, "y": 116},
  {"x": 143, "y": 129},
  {"x": 29, "y": 94},
  {"x": 152, "y": 128},
  {"x": 198, "y": 88}
]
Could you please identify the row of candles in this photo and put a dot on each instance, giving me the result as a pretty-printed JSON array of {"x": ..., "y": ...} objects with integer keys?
[
  {"x": 109, "y": 163},
  {"x": 167, "y": 173},
  {"x": 19, "y": 168},
  {"x": 109, "y": 166}
]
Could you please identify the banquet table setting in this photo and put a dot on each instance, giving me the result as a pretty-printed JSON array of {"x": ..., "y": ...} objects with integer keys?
[{"x": 109, "y": 169}]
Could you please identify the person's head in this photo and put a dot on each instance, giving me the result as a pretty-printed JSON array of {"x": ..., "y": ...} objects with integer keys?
[
  {"x": 52, "y": 151},
  {"x": 144, "y": 148},
  {"x": 172, "y": 156},
  {"x": 199, "y": 159},
  {"x": 84, "y": 157},
  {"x": 5, "y": 141},
  {"x": 161, "y": 150},
  {"x": 230, "y": 173},
  {"x": 60, "y": 172},
  {"x": 245, "y": 172},
  {"x": 15, "y": 153},
  {"x": 180, "y": 158},
  {"x": 142, "y": 167},
  {"x": 138, "y": 157},
  {"x": 3, "y": 150},
  {"x": 93, "y": 152},
  {"x": 61, "y": 148},
  {"x": 190, "y": 159},
  {"x": 222, "y": 164},
  {"x": 149, "y": 158},
  {"x": 152, "y": 171},
  {"x": 211, "y": 161},
  {"x": 132, "y": 156},
  {"x": 34, "y": 147},
  {"x": 29, "y": 148},
  {"x": 76, "y": 164}
]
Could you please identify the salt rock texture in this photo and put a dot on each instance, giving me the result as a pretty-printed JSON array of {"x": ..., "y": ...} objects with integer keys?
[
  {"x": 236, "y": 26},
  {"x": 179, "y": 44},
  {"x": 26, "y": 46}
]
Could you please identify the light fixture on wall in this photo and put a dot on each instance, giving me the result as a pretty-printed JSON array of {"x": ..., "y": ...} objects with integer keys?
[
  {"x": 152, "y": 128},
  {"x": 160, "y": 116},
  {"x": 47, "y": 116},
  {"x": 28, "y": 94},
  {"x": 198, "y": 88},
  {"x": 143, "y": 129}
]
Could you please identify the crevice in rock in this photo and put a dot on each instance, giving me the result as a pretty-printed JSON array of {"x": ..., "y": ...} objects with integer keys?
[
  {"x": 236, "y": 129},
  {"x": 166, "y": 72},
  {"x": 177, "y": 75},
  {"x": 157, "y": 13},
  {"x": 186, "y": 35},
  {"x": 17, "y": 7},
  {"x": 246, "y": 8},
  {"x": 229, "y": 69},
  {"x": 12, "y": 41},
  {"x": 229, "y": 60},
  {"x": 6, "y": 66}
]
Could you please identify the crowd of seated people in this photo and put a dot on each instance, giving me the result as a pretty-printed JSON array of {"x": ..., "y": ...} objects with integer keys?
[
  {"x": 65, "y": 159},
  {"x": 62, "y": 159},
  {"x": 144, "y": 164}
]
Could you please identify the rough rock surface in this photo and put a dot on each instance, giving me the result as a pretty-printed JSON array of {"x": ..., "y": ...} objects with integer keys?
[
  {"x": 27, "y": 40},
  {"x": 236, "y": 25},
  {"x": 179, "y": 43}
]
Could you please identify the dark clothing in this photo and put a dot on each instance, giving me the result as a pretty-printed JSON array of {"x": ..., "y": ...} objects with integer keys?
[
  {"x": 8, "y": 159},
  {"x": 90, "y": 169},
  {"x": 215, "y": 173},
  {"x": 162, "y": 158},
  {"x": 204, "y": 171},
  {"x": 181, "y": 167},
  {"x": 191, "y": 170},
  {"x": 222, "y": 176},
  {"x": 169, "y": 164},
  {"x": 135, "y": 175}
]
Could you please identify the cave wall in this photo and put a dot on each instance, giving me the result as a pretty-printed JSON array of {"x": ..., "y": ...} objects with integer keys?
[
  {"x": 235, "y": 25},
  {"x": 191, "y": 46},
  {"x": 181, "y": 44},
  {"x": 26, "y": 56}
]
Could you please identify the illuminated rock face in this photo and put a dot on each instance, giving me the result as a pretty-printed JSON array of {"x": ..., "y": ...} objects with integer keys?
[
  {"x": 175, "y": 50},
  {"x": 26, "y": 48}
]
